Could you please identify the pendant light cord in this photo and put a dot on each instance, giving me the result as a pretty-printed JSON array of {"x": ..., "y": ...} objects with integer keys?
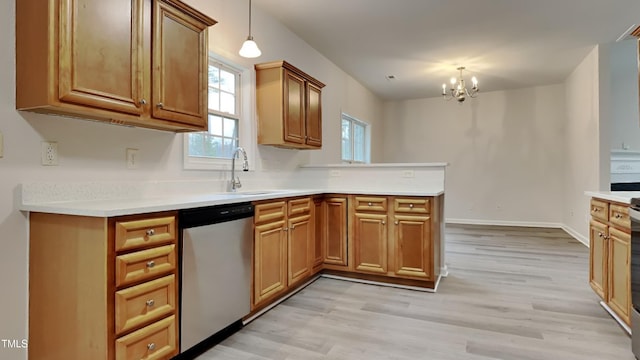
[{"x": 250, "y": 18}]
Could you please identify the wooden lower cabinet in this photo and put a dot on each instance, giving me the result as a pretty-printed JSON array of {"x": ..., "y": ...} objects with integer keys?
[
  {"x": 270, "y": 260},
  {"x": 619, "y": 279},
  {"x": 335, "y": 236},
  {"x": 598, "y": 251},
  {"x": 370, "y": 242},
  {"x": 412, "y": 244},
  {"x": 95, "y": 291},
  {"x": 283, "y": 239},
  {"x": 317, "y": 250},
  {"x": 610, "y": 254},
  {"x": 300, "y": 236}
]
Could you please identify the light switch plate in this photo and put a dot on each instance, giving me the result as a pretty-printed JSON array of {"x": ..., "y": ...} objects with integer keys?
[{"x": 132, "y": 158}]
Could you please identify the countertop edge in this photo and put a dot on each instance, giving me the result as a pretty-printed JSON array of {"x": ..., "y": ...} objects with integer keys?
[
  {"x": 121, "y": 207},
  {"x": 617, "y": 196}
]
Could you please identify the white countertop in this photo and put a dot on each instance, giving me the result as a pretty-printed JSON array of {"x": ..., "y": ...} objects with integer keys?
[
  {"x": 617, "y": 196},
  {"x": 129, "y": 206}
]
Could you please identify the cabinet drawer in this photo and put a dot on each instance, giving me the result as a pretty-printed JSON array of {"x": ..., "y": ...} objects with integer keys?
[
  {"x": 600, "y": 210},
  {"x": 412, "y": 205},
  {"x": 141, "y": 304},
  {"x": 140, "y": 233},
  {"x": 371, "y": 203},
  {"x": 270, "y": 211},
  {"x": 145, "y": 264},
  {"x": 619, "y": 217},
  {"x": 154, "y": 342},
  {"x": 299, "y": 206}
]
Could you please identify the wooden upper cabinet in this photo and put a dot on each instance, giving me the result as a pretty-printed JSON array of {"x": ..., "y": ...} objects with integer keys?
[
  {"x": 93, "y": 59},
  {"x": 100, "y": 68},
  {"x": 289, "y": 106},
  {"x": 179, "y": 63}
]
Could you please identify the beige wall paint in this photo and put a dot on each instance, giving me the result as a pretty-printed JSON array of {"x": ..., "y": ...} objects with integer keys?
[
  {"x": 504, "y": 149},
  {"x": 91, "y": 151}
]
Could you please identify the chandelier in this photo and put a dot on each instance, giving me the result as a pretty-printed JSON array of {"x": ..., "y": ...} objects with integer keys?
[{"x": 458, "y": 89}]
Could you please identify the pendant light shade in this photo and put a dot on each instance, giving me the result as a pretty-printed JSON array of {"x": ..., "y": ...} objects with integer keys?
[{"x": 249, "y": 48}]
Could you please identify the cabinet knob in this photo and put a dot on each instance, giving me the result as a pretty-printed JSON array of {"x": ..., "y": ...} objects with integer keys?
[
  {"x": 595, "y": 209},
  {"x": 396, "y": 222},
  {"x": 618, "y": 216},
  {"x": 285, "y": 229},
  {"x": 370, "y": 204},
  {"x": 151, "y": 346},
  {"x": 160, "y": 105},
  {"x": 151, "y": 264},
  {"x": 151, "y": 232},
  {"x": 600, "y": 234},
  {"x": 151, "y": 302},
  {"x": 143, "y": 102},
  {"x": 410, "y": 206},
  {"x": 384, "y": 222}
]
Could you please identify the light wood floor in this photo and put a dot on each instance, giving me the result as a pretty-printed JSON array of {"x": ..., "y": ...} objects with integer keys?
[{"x": 512, "y": 293}]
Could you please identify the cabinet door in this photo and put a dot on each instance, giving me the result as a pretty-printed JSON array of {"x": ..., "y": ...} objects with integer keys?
[
  {"x": 370, "y": 243},
  {"x": 318, "y": 238},
  {"x": 180, "y": 67},
  {"x": 598, "y": 258},
  {"x": 270, "y": 260},
  {"x": 314, "y": 116},
  {"x": 335, "y": 213},
  {"x": 413, "y": 246},
  {"x": 299, "y": 240},
  {"x": 294, "y": 108},
  {"x": 619, "y": 294},
  {"x": 100, "y": 60}
]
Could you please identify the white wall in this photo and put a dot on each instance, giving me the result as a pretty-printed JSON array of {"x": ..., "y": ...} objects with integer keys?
[
  {"x": 582, "y": 144},
  {"x": 624, "y": 95},
  {"x": 504, "y": 149},
  {"x": 91, "y": 151}
]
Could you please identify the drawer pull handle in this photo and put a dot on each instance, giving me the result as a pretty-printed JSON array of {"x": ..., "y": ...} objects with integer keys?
[
  {"x": 151, "y": 302},
  {"x": 410, "y": 206},
  {"x": 370, "y": 204},
  {"x": 595, "y": 209},
  {"x": 151, "y": 346},
  {"x": 151, "y": 232},
  {"x": 600, "y": 234},
  {"x": 151, "y": 264},
  {"x": 618, "y": 216}
]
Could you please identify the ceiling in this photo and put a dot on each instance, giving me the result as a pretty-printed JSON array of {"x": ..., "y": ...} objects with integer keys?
[{"x": 506, "y": 44}]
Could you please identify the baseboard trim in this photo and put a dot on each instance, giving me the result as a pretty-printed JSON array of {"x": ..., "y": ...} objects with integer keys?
[
  {"x": 370, "y": 282},
  {"x": 504, "y": 223},
  {"x": 576, "y": 235},
  {"x": 277, "y": 302},
  {"x": 615, "y": 317}
]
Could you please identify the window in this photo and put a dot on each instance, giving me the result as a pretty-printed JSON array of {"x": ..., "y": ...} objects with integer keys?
[
  {"x": 355, "y": 140},
  {"x": 214, "y": 148}
]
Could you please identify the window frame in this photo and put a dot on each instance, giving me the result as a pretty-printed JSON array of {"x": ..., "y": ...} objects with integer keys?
[
  {"x": 244, "y": 109},
  {"x": 366, "y": 143}
]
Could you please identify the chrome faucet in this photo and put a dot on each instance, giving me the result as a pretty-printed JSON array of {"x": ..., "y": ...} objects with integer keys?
[{"x": 235, "y": 181}]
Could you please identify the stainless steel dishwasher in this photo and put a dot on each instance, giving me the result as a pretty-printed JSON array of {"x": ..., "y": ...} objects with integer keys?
[{"x": 216, "y": 245}]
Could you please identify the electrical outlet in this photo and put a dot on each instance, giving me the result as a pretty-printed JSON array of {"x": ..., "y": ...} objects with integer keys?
[
  {"x": 408, "y": 174},
  {"x": 132, "y": 158},
  {"x": 49, "y": 153}
]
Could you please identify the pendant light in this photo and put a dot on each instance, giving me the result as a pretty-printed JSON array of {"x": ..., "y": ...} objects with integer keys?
[{"x": 249, "y": 48}]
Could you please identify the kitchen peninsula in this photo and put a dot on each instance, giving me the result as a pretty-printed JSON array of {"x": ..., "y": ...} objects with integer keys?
[{"x": 92, "y": 244}]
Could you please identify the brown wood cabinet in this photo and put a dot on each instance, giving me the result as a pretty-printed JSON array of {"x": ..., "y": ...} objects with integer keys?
[
  {"x": 136, "y": 62},
  {"x": 289, "y": 106},
  {"x": 317, "y": 250},
  {"x": 283, "y": 240},
  {"x": 609, "y": 255},
  {"x": 403, "y": 248},
  {"x": 335, "y": 232},
  {"x": 103, "y": 288}
]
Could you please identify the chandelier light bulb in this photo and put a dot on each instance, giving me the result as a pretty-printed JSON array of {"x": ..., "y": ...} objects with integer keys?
[
  {"x": 250, "y": 49},
  {"x": 453, "y": 81},
  {"x": 474, "y": 80}
]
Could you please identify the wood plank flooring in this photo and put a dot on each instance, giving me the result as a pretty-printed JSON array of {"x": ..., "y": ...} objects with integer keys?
[{"x": 512, "y": 293}]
